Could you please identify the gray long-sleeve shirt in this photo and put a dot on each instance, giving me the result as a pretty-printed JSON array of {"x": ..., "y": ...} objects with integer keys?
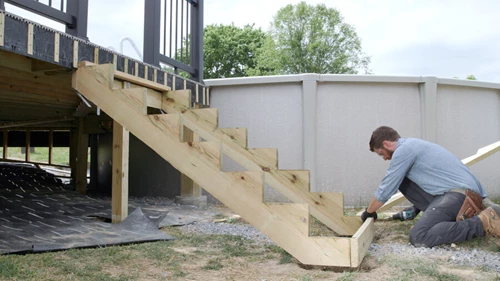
[{"x": 430, "y": 166}]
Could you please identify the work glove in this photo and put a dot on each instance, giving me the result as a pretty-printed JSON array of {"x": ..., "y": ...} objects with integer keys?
[{"x": 366, "y": 215}]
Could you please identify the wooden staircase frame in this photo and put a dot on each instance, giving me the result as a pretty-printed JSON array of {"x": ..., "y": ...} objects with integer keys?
[{"x": 125, "y": 98}]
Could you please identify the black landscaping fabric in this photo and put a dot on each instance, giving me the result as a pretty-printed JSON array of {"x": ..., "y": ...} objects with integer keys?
[{"x": 38, "y": 213}]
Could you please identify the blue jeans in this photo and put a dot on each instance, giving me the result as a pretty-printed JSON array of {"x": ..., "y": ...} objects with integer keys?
[{"x": 437, "y": 225}]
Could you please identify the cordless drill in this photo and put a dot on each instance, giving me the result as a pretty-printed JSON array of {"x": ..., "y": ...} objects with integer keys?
[{"x": 407, "y": 214}]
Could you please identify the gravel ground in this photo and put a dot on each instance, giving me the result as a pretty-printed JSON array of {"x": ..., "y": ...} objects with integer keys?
[
  {"x": 452, "y": 255},
  {"x": 246, "y": 231}
]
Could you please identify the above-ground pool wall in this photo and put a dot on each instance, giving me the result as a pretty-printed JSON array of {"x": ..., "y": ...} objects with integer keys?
[
  {"x": 323, "y": 123},
  {"x": 346, "y": 115},
  {"x": 468, "y": 118},
  {"x": 272, "y": 115}
]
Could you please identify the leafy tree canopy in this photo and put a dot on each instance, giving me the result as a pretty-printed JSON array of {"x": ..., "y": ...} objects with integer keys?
[
  {"x": 313, "y": 39},
  {"x": 231, "y": 51}
]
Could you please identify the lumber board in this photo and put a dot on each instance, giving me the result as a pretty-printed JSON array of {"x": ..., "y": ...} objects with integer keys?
[
  {"x": 239, "y": 191},
  {"x": 28, "y": 145},
  {"x": 75, "y": 53},
  {"x": 282, "y": 181},
  {"x": 20, "y": 99},
  {"x": 188, "y": 187},
  {"x": 5, "y": 140},
  {"x": 481, "y": 154},
  {"x": 29, "y": 48},
  {"x": 176, "y": 101},
  {"x": 138, "y": 96},
  {"x": 239, "y": 135},
  {"x": 82, "y": 145},
  {"x": 211, "y": 150},
  {"x": 2, "y": 29},
  {"x": 207, "y": 119},
  {"x": 167, "y": 122},
  {"x": 57, "y": 82},
  {"x": 361, "y": 241},
  {"x": 43, "y": 67},
  {"x": 297, "y": 214},
  {"x": 135, "y": 79},
  {"x": 56, "y": 46},
  {"x": 265, "y": 155},
  {"x": 119, "y": 191},
  {"x": 51, "y": 145}
]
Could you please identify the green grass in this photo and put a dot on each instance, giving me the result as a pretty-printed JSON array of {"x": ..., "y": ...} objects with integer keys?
[
  {"x": 285, "y": 257},
  {"x": 348, "y": 276},
  {"x": 410, "y": 269},
  {"x": 128, "y": 262},
  {"x": 213, "y": 264},
  {"x": 60, "y": 155}
]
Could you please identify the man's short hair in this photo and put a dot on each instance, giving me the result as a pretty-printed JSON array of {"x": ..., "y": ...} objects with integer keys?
[{"x": 382, "y": 134}]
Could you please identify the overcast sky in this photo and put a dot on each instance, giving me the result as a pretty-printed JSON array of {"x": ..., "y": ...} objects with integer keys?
[{"x": 443, "y": 38}]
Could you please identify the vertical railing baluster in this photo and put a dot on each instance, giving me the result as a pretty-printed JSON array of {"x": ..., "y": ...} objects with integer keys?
[
  {"x": 182, "y": 28},
  {"x": 186, "y": 24},
  {"x": 165, "y": 27},
  {"x": 187, "y": 33},
  {"x": 170, "y": 42},
  {"x": 176, "y": 26}
]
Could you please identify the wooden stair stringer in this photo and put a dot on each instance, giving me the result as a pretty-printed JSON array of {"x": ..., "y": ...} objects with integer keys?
[
  {"x": 287, "y": 224},
  {"x": 330, "y": 214},
  {"x": 331, "y": 201},
  {"x": 241, "y": 192}
]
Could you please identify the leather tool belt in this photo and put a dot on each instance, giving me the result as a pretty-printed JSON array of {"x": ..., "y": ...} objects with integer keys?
[{"x": 473, "y": 205}]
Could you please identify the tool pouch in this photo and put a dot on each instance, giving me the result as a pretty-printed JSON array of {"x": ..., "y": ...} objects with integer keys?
[{"x": 473, "y": 205}]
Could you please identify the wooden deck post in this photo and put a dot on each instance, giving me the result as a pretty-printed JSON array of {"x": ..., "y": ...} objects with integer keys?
[
  {"x": 189, "y": 188},
  {"x": 27, "y": 146},
  {"x": 81, "y": 158},
  {"x": 51, "y": 144},
  {"x": 5, "y": 142},
  {"x": 119, "y": 195}
]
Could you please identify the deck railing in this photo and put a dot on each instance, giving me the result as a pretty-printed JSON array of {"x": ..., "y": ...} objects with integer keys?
[
  {"x": 72, "y": 13},
  {"x": 173, "y": 35}
]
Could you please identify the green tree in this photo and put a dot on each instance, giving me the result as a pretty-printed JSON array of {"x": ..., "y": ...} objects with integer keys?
[
  {"x": 231, "y": 51},
  {"x": 313, "y": 39}
]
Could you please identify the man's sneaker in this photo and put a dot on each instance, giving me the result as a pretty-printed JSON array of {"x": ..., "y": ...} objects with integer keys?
[{"x": 490, "y": 217}]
